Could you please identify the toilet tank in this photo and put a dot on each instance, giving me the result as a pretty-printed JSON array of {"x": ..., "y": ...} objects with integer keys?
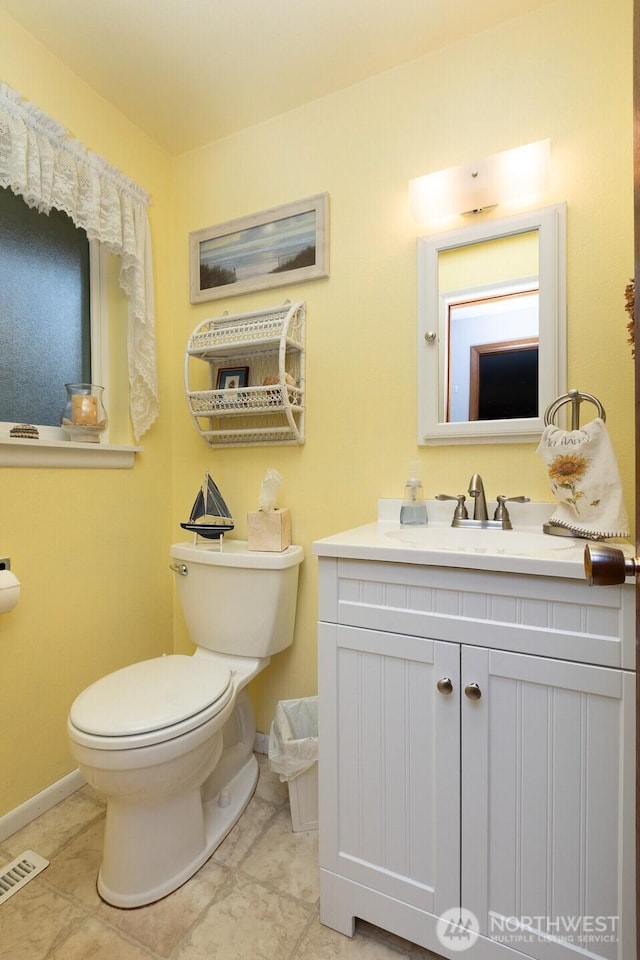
[{"x": 235, "y": 600}]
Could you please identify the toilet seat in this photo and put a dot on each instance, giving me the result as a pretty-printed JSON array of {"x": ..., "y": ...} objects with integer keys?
[{"x": 150, "y": 702}]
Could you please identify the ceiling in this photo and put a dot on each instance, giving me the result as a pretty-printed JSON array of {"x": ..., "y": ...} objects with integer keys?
[{"x": 190, "y": 71}]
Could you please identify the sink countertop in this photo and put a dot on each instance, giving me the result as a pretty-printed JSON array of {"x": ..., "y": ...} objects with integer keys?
[{"x": 529, "y": 551}]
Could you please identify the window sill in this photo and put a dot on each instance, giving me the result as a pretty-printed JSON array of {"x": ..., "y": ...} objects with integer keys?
[{"x": 65, "y": 453}]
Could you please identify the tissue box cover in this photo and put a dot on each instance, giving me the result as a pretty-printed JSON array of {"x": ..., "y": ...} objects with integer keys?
[{"x": 270, "y": 530}]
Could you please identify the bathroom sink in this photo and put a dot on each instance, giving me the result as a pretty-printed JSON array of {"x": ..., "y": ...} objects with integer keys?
[
  {"x": 525, "y": 549},
  {"x": 515, "y": 543}
]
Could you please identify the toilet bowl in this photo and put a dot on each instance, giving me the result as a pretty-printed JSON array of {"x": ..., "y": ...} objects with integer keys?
[{"x": 169, "y": 741}]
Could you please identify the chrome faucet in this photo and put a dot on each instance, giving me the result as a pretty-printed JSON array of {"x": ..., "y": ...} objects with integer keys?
[
  {"x": 476, "y": 490},
  {"x": 501, "y": 519}
]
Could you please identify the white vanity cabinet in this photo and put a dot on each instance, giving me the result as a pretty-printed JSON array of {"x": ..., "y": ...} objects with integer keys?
[{"x": 477, "y": 750}]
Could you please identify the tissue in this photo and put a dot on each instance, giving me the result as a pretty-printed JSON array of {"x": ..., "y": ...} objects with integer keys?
[
  {"x": 269, "y": 491},
  {"x": 9, "y": 590},
  {"x": 269, "y": 528}
]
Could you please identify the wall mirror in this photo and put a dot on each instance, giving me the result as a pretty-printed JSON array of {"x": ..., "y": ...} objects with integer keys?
[{"x": 491, "y": 328}]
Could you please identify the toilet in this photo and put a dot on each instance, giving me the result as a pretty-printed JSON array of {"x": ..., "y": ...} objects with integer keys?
[{"x": 169, "y": 741}]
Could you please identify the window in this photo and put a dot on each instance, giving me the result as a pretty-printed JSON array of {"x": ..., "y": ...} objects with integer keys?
[
  {"x": 45, "y": 311},
  {"x": 113, "y": 211}
]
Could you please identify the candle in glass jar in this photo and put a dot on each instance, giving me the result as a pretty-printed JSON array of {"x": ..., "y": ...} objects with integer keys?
[{"x": 84, "y": 410}]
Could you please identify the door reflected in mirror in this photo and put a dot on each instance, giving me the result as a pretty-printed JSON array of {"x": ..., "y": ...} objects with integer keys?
[
  {"x": 491, "y": 328},
  {"x": 492, "y": 342},
  {"x": 504, "y": 380}
]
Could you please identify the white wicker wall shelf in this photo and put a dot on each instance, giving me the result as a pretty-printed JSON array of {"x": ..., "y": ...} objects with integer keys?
[{"x": 270, "y": 343}]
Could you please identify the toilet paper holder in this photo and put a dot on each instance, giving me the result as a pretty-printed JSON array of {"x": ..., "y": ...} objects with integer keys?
[{"x": 9, "y": 586}]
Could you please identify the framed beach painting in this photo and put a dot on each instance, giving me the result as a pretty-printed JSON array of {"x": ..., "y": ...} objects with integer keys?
[{"x": 284, "y": 245}]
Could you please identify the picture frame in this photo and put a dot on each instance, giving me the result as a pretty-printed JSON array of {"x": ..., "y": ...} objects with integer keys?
[
  {"x": 232, "y": 378},
  {"x": 283, "y": 245}
]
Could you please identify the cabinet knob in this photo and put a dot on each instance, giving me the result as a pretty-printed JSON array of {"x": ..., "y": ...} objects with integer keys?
[
  {"x": 472, "y": 691},
  {"x": 444, "y": 685}
]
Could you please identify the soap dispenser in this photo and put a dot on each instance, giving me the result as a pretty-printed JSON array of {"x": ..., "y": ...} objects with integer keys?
[{"x": 413, "y": 511}]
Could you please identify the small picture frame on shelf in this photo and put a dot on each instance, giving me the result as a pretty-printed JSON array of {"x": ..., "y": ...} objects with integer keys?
[{"x": 232, "y": 379}]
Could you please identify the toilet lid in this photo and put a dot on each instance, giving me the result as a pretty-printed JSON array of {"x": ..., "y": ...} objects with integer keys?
[{"x": 150, "y": 695}]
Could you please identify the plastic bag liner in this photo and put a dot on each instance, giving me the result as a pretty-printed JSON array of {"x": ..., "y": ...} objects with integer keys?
[{"x": 293, "y": 739}]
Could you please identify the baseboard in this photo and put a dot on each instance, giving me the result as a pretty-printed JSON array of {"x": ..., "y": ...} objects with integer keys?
[
  {"x": 50, "y": 796},
  {"x": 19, "y": 817}
]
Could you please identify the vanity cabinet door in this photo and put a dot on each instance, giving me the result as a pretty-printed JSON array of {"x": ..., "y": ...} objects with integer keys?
[
  {"x": 546, "y": 802},
  {"x": 389, "y": 767}
]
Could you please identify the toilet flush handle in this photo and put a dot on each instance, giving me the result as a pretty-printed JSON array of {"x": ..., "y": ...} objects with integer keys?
[{"x": 180, "y": 568}]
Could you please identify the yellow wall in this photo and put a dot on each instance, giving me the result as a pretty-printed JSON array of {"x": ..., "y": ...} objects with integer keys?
[
  {"x": 91, "y": 546},
  {"x": 562, "y": 72},
  {"x": 487, "y": 262}
]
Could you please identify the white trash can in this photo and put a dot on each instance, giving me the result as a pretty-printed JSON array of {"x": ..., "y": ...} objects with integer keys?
[{"x": 293, "y": 753}]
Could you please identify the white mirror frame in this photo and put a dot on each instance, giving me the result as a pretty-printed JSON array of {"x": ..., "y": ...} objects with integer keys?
[{"x": 550, "y": 222}]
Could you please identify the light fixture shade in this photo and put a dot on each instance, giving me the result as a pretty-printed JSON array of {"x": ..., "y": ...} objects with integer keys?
[{"x": 509, "y": 175}]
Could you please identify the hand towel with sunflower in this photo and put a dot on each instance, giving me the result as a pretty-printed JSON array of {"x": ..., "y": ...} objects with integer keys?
[{"x": 584, "y": 478}]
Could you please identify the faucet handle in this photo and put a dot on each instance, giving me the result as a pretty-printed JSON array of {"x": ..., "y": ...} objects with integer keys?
[
  {"x": 460, "y": 512},
  {"x": 501, "y": 511}
]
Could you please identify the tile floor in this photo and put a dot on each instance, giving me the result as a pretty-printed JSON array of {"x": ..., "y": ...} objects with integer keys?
[{"x": 255, "y": 899}]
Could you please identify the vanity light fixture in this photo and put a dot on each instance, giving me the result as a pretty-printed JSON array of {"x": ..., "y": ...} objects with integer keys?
[{"x": 473, "y": 187}]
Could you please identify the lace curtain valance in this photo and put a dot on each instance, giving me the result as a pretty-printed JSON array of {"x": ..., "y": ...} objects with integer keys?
[{"x": 42, "y": 163}]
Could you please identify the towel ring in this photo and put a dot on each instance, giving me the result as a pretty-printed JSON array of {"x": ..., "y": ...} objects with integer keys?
[{"x": 575, "y": 398}]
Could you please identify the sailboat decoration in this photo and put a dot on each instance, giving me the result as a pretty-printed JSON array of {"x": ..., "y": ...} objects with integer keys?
[{"x": 210, "y": 516}]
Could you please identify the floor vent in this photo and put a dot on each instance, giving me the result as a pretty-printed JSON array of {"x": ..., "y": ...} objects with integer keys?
[{"x": 20, "y": 871}]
